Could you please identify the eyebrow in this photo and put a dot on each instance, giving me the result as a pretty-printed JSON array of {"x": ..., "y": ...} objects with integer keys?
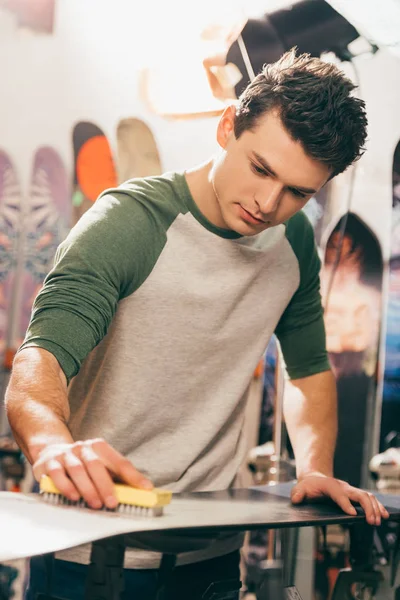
[{"x": 266, "y": 166}]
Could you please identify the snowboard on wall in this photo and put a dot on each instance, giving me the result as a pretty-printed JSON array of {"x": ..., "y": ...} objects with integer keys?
[
  {"x": 11, "y": 575},
  {"x": 37, "y": 16},
  {"x": 10, "y": 228},
  {"x": 351, "y": 285},
  {"x": 94, "y": 169},
  {"x": 48, "y": 220},
  {"x": 137, "y": 150},
  {"x": 390, "y": 420}
]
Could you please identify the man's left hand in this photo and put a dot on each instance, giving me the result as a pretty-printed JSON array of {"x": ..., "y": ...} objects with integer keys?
[{"x": 314, "y": 486}]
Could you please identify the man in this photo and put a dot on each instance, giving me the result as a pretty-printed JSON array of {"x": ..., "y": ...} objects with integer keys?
[{"x": 161, "y": 302}]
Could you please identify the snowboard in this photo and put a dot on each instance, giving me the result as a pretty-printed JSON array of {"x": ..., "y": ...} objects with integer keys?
[
  {"x": 351, "y": 286},
  {"x": 31, "y": 526},
  {"x": 11, "y": 575},
  {"x": 10, "y": 228},
  {"x": 48, "y": 220},
  {"x": 94, "y": 169},
  {"x": 37, "y": 15},
  {"x": 390, "y": 419},
  {"x": 138, "y": 155}
]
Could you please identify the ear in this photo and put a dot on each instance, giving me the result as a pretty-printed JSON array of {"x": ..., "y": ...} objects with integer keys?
[{"x": 225, "y": 127}]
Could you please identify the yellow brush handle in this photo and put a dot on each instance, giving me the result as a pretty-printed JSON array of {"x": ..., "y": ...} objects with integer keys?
[{"x": 125, "y": 494}]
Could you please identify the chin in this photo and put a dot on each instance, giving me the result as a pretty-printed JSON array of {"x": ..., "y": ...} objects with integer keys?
[{"x": 246, "y": 229}]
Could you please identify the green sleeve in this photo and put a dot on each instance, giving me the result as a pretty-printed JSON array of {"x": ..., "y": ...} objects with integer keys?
[
  {"x": 301, "y": 330},
  {"x": 106, "y": 256}
]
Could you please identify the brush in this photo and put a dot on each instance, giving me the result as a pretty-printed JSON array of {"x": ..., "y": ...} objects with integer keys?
[{"x": 130, "y": 500}]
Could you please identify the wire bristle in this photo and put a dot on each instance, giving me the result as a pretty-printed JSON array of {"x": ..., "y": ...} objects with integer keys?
[{"x": 126, "y": 509}]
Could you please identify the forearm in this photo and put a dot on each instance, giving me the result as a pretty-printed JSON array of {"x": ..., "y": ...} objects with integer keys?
[
  {"x": 310, "y": 411},
  {"x": 36, "y": 402}
]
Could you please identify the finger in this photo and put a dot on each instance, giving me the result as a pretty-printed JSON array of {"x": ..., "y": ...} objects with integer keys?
[
  {"x": 365, "y": 501},
  {"x": 383, "y": 511},
  {"x": 380, "y": 510},
  {"x": 120, "y": 465},
  {"x": 81, "y": 480},
  {"x": 56, "y": 471},
  {"x": 100, "y": 476},
  {"x": 343, "y": 501},
  {"x": 40, "y": 469},
  {"x": 377, "y": 511},
  {"x": 297, "y": 494}
]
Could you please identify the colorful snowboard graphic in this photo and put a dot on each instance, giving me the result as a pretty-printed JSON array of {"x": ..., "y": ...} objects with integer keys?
[
  {"x": 352, "y": 322},
  {"x": 137, "y": 150},
  {"x": 10, "y": 227},
  {"x": 11, "y": 576},
  {"x": 47, "y": 224},
  {"x": 391, "y": 383},
  {"x": 94, "y": 169}
]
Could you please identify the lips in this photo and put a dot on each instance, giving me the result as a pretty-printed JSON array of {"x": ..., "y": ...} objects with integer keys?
[{"x": 248, "y": 216}]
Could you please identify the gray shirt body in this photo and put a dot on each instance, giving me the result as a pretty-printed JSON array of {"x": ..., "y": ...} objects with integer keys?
[{"x": 158, "y": 319}]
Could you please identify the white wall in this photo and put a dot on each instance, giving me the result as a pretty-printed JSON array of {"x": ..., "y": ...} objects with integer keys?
[
  {"x": 380, "y": 87},
  {"x": 86, "y": 70}
]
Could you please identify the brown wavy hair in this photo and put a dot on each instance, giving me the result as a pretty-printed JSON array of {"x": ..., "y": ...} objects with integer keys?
[{"x": 315, "y": 105}]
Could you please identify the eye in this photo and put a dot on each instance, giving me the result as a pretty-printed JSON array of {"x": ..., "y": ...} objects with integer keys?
[
  {"x": 259, "y": 170},
  {"x": 298, "y": 194}
]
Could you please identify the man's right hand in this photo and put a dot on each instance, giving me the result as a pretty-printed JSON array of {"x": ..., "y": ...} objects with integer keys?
[{"x": 85, "y": 470}]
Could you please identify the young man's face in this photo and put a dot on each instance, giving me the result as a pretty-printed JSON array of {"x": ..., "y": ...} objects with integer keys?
[{"x": 263, "y": 177}]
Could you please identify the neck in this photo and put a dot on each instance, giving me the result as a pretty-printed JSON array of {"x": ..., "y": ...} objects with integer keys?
[{"x": 200, "y": 180}]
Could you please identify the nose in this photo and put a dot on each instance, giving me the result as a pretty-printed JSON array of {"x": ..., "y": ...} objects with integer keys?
[{"x": 268, "y": 200}]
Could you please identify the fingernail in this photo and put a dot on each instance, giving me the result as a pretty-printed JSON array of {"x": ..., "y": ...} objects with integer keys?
[
  {"x": 96, "y": 504},
  {"x": 146, "y": 484},
  {"x": 111, "y": 502},
  {"x": 75, "y": 497}
]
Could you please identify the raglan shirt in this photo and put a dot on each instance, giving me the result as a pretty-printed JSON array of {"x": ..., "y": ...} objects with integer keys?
[{"x": 158, "y": 318}]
